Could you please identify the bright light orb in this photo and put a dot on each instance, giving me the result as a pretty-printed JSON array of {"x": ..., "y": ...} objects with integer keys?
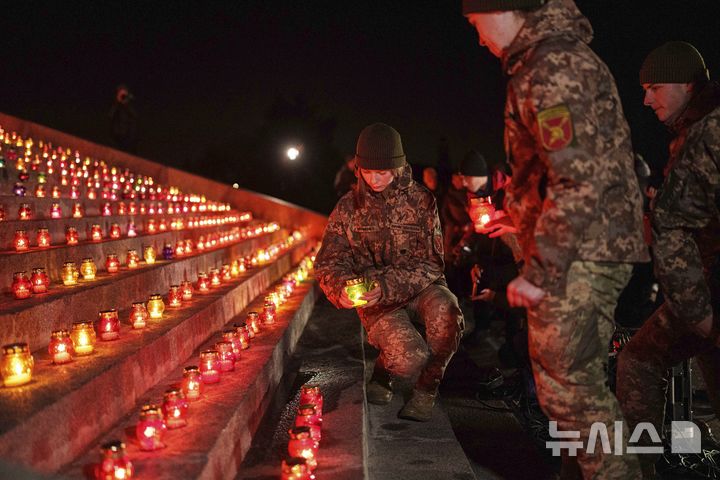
[{"x": 293, "y": 153}]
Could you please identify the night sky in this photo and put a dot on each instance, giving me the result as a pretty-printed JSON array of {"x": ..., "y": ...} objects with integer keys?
[{"x": 222, "y": 87}]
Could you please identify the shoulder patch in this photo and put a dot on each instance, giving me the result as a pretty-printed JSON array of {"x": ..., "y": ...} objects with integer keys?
[{"x": 556, "y": 128}]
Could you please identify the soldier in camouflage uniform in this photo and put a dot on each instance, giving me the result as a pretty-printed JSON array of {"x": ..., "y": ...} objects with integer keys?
[
  {"x": 387, "y": 230},
  {"x": 575, "y": 201},
  {"x": 686, "y": 240}
]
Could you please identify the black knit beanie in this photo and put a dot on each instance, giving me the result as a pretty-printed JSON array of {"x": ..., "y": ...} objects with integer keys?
[
  {"x": 379, "y": 147},
  {"x": 673, "y": 62},
  {"x": 473, "y": 165},
  {"x": 478, "y": 6}
]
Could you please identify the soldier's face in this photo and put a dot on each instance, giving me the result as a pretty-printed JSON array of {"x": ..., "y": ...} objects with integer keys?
[
  {"x": 474, "y": 184},
  {"x": 496, "y": 30},
  {"x": 667, "y": 99},
  {"x": 378, "y": 180}
]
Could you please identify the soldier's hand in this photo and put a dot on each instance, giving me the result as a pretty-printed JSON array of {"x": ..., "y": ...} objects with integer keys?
[
  {"x": 486, "y": 295},
  {"x": 476, "y": 273},
  {"x": 522, "y": 293},
  {"x": 497, "y": 227},
  {"x": 373, "y": 296},
  {"x": 344, "y": 300}
]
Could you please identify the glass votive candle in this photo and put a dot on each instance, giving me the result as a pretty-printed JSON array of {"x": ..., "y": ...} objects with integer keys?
[
  {"x": 69, "y": 274},
  {"x": 355, "y": 289},
  {"x": 17, "y": 364},
  {"x": 106, "y": 210},
  {"x": 232, "y": 336},
  {"x": 112, "y": 263},
  {"x": 25, "y": 212},
  {"x": 150, "y": 428},
  {"x": 71, "y": 236},
  {"x": 192, "y": 383},
  {"x": 96, "y": 233},
  {"x": 188, "y": 247},
  {"x": 115, "y": 464},
  {"x": 186, "y": 290},
  {"x": 168, "y": 252},
  {"x": 156, "y": 306},
  {"x": 77, "y": 211},
  {"x": 301, "y": 444},
  {"x": 55, "y": 211},
  {"x": 109, "y": 325},
  {"x": 131, "y": 232},
  {"x": 268, "y": 313},
  {"x": 21, "y": 241},
  {"x": 162, "y": 226},
  {"x": 225, "y": 274},
  {"x": 55, "y": 192},
  {"x": 243, "y": 335},
  {"x": 133, "y": 259},
  {"x": 19, "y": 189},
  {"x": 132, "y": 208},
  {"x": 115, "y": 232},
  {"x": 235, "y": 268},
  {"x": 210, "y": 366},
  {"x": 311, "y": 395},
  {"x": 175, "y": 408},
  {"x": 88, "y": 269},
  {"x": 83, "y": 337},
  {"x": 61, "y": 347},
  {"x": 39, "y": 280},
  {"x": 214, "y": 277},
  {"x": 91, "y": 193},
  {"x": 21, "y": 286},
  {"x": 150, "y": 226},
  {"x": 43, "y": 238},
  {"x": 227, "y": 356},
  {"x": 40, "y": 191},
  {"x": 74, "y": 192},
  {"x": 253, "y": 322},
  {"x": 122, "y": 208},
  {"x": 138, "y": 315},
  {"x": 307, "y": 416},
  {"x": 203, "y": 283},
  {"x": 179, "y": 248},
  {"x": 295, "y": 468},
  {"x": 175, "y": 296},
  {"x": 149, "y": 254}
]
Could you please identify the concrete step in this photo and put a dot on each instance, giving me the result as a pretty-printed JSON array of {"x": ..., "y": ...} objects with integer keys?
[
  {"x": 66, "y": 407},
  {"x": 220, "y": 425},
  {"x": 33, "y": 319}
]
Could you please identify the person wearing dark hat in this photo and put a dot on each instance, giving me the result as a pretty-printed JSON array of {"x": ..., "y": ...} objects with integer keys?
[
  {"x": 387, "y": 233},
  {"x": 686, "y": 240},
  {"x": 576, "y": 204}
]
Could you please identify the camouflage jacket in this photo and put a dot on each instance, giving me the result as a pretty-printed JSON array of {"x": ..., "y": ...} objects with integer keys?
[
  {"x": 394, "y": 239},
  {"x": 685, "y": 212},
  {"x": 574, "y": 194}
]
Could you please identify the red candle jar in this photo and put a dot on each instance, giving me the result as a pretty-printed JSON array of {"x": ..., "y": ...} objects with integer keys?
[
  {"x": 122, "y": 209},
  {"x": 77, "y": 211},
  {"x": 296, "y": 468},
  {"x": 210, "y": 366},
  {"x": 21, "y": 286},
  {"x": 188, "y": 247},
  {"x": 39, "y": 280},
  {"x": 131, "y": 232},
  {"x": 307, "y": 416},
  {"x": 114, "y": 231},
  {"x": 311, "y": 395},
  {"x": 40, "y": 191},
  {"x": 175, "y": 296},
  {"x": 192, "y": 383},
  {"x": 235, "y": 268},
  {"x": 234, "y": 339},
  {"x": 243, "y": 335},
  {"x": 91, "y": 194},
  {"x": 138, "y": 315},
  {"x": 214, "y": 277},
  {"x": 56, "y": 191},
  {"x": 186, "y": 290},
  {"x": 163, "y": 225},
  {"x": 302, "y": 445},
  {"x": 74, "y": 192},
  {"x": 96, "y": 233},
  {"x": 150, "y": 428},
  {"x": 21, "y": 241},
  {"x": 203, "y": 283},
  {"x": 227, "y": 356},
  {"x": 106, "y": 210},
  {"x": 112, "y": 264},
  {"x": 143, "y": 210},
  {"x": 24, "y": 212},
  {"x": 133, "y": 259},
  {"x": 175, "y": 408},
  {"x": 481, "y": 211},
  {"x": 179, "y": 248},
  {"x": 115, "y": 464},
  {"x": 225, "y": 274},
  {"x": 43, "y": 238},
  {"x": 71, "y": 236},
  {"x": 253, "y": 323},
  {"x": 55, "y": 211},
  {"x": 150, "y": 226},
  {"x": 268, "y": 313},
  {"x": 132, "y": 208},
  {"x": 109, "y": 325},
  {"x": 61, "y": 347}
]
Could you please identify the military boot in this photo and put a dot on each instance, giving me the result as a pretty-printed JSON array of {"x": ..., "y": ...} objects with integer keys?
[
  {"x": 379, "y": 389},
  {"x": 419, "y": 407}
]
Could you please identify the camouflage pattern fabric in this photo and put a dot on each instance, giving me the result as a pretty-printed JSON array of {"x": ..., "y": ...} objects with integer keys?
[
  {"x": 574, "y": 194},
  {"x": 569, "y": 333}
]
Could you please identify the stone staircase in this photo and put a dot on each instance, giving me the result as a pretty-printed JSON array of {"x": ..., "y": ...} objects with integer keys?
[{"x": 56, "y": 423}]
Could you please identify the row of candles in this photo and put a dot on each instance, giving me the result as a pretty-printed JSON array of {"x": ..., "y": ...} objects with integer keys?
[
  {"x": 305, "y": 436},
  {"x": 154, "y": 420},
  {"x": 23, "y": 287},
  {"x": 17, "y": 363}
]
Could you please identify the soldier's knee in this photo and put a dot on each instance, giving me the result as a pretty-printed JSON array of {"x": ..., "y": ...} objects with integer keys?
[{"x": 406, "y": 364}]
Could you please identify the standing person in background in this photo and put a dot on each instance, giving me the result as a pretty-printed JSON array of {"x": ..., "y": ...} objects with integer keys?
[
  {"x": 345, "y": 177},
  {"x": 575, "y": 201},
  {"x": 387, "y": 231},
  {"x": 685, "y": 220},
  {"x": 124, "y": 120}
]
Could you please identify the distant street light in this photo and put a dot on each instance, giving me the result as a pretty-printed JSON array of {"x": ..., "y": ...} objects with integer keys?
[{"x": 293, "y": 153}]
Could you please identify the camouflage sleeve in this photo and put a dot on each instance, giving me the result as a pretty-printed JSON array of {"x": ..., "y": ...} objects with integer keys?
[
  {"x": 559, "y": 114},
  {"x": 407, "y": 277},
  {"x": 686, "y": 202},
  {"x": 333, "y": 263}
]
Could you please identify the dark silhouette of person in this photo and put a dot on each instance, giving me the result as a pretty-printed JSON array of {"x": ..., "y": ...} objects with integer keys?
[{"x": 124, "y": 120}]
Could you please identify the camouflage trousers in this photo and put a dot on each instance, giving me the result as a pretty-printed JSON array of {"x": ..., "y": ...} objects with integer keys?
[
  {"x": 404, "y": 352},
  {"x": 644, "y": 368},
  {"x": 568, "y": 335}
]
